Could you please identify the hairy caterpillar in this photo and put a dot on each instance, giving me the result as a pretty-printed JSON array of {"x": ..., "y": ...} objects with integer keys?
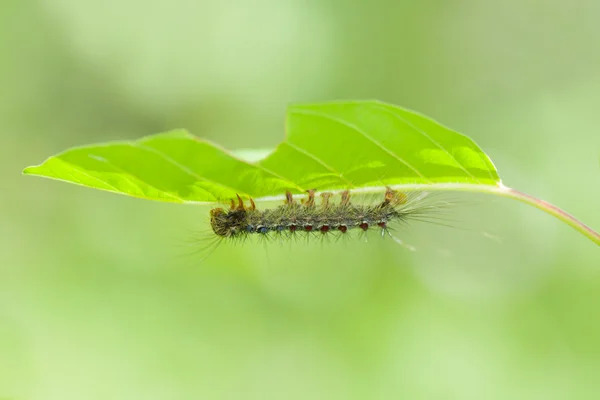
[
  {"x": 312, "y": 218},
  {"x": 342, "y": 216}
]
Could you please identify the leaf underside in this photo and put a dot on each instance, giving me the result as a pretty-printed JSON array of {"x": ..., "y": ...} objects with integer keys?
[{"x": 328, "y": 146}]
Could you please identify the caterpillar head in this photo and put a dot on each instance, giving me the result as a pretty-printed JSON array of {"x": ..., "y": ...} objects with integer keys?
[{"x": 227, "y": 223}]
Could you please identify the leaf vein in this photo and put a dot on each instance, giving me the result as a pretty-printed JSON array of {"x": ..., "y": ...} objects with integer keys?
[
  {"x": 320, "y": 161},
  {"x": 186, "y": 170},
  {"x": 80, "y": 170},
  {"x": 253, "y": 165},
  {"x": 367, "y": 136},
  {"x": 433, "y": 141},
  {"x": 134, "y": 184}
]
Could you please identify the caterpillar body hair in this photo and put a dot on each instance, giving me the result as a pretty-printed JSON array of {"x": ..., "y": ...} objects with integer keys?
[{"x": 311, "y": 216}]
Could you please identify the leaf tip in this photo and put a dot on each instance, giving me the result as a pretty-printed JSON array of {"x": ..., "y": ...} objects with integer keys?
[{"x": 29, "y": 170}]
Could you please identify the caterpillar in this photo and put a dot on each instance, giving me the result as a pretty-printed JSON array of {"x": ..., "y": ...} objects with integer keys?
[{"x": 311, "y": 217}]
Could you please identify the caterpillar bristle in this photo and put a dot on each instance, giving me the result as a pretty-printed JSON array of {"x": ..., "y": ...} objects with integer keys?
[
  {"x": 325, "y": 218},
  {"x": 344, "y": 217}
]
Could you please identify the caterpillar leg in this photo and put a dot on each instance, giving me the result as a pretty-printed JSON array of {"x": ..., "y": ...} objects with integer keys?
[
  {"x": 325, "y": 201},
  {"x": 310, "y": 202},
  {"x": 240, "y": 204},
  {"x": 393, "y": 197},
  {"x": 289, "y": 198},
  {"x": 345, "y": 198}
]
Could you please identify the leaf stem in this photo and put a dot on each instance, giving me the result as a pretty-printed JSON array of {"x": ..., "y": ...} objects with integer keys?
[{"x": 552, "y": 210}]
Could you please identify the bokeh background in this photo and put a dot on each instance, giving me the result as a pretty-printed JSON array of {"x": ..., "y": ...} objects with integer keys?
[{"x": 101, "y": 299}]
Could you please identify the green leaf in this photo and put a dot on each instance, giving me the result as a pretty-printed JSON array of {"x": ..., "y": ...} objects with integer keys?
[
  {"x": 173, "y": 166},
  {"x": 364, "y": 144},
  {"x": 342, "y": 145},
  {"x": 359, "y": 145}
]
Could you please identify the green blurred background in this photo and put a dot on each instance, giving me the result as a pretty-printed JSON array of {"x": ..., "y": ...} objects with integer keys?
[{"x": 100, "y": 299}]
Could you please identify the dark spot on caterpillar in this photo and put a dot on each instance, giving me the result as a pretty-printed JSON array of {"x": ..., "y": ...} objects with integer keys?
[
  {"x": 364, "y": 226},
  {"x": 382, "y": 224},
  {"x": 262, "y": 229},
  {"x": 325, "y": 228},
  {"x": 342, "y": 228},
  {"x": 308, "y": 228},
  {"x": 293, "y": 228}
]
